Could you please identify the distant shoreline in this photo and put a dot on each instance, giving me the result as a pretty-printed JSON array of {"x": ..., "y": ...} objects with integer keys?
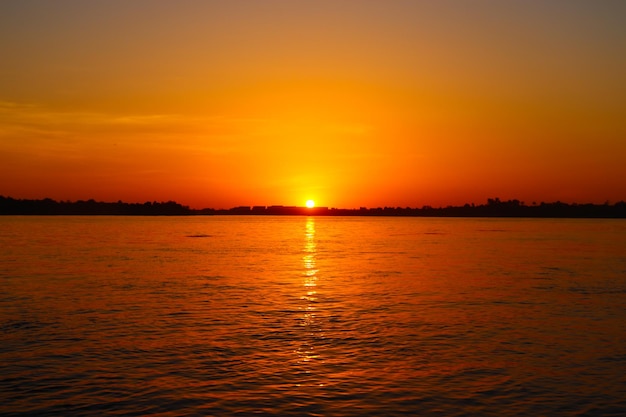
[{"x": 493, "y": 208}]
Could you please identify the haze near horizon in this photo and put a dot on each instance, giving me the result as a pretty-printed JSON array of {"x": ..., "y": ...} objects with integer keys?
[{"x": 352, "y": 103}]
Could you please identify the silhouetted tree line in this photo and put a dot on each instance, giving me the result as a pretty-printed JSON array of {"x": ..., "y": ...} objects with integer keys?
[
  {"x": 493, "y": 208},
  {"x": 48, "y": 206}
]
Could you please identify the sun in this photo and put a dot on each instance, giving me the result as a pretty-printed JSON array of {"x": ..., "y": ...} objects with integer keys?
[{"x": 310, "y": 203}]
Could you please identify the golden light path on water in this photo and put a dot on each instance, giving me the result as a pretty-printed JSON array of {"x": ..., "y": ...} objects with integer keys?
[{"x": 306, "y": 352}]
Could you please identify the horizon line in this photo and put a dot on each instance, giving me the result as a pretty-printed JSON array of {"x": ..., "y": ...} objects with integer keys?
[{"x": 488, "y": 202}]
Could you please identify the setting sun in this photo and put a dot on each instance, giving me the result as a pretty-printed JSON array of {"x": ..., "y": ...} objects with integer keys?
[{"x": 310, "y": 203}]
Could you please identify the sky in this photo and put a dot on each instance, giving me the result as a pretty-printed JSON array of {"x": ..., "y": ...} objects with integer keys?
[{"x": 350, "y": 103}]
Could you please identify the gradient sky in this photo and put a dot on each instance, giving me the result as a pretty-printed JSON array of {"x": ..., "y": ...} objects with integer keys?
[{"x": 350, "y": 103}]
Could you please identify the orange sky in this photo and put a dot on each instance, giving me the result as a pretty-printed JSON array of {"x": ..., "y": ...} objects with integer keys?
[{"x": 350, "y": 103}]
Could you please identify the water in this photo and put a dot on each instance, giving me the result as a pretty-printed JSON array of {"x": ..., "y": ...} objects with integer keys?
[{"x": 312, "y": 316}]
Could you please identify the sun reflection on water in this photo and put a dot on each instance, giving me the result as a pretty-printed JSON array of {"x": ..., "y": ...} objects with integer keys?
[
  {"x": 310, "y": 252},
  {"x": 306, "y": 352}
]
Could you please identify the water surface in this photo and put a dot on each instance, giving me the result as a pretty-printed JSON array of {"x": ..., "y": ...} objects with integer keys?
[{"x": 240, "y": 315}]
